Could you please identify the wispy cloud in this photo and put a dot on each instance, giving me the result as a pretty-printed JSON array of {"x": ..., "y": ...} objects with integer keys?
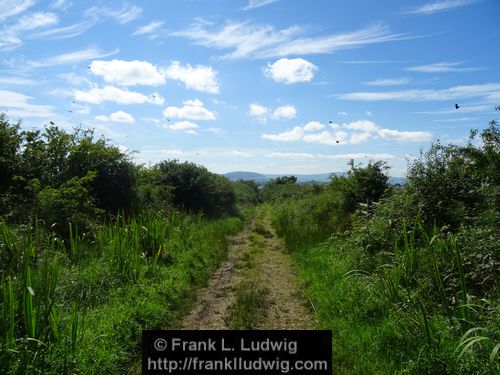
[
  {"x": 150, "y": 28},
  {"x": 61, "y": 4},
  {"x": 440, "y": 6},
  {"x": 388, "y": 82},
  {"x": 18, "y": 105},
  {"x": 18, "y": 81},
  {"x": 91, "y": 17},
  {"x": 264, "y": 41},
  {"x": 124, "y": 15},
  {"x": 71, "y": 58},
  {"x": 9, "y": 8},
  {"x": 67, "y": 32},
  {"x": 291, "y": 155},
  {"x": 11, "y": 36},
  {"x": 457, "y": 92},
  {"x": 442, "y": 67},
  {"x": 252, "y": 4}
]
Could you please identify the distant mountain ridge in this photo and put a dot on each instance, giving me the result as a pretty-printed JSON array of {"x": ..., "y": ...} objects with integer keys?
[{"x": 319, "y": 178}]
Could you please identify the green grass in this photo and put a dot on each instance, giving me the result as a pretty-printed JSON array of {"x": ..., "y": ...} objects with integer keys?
[
  {"x": 80, "y": 306},
  {"x": 249, "y": 306},
  {"x": 415, "y": 303}
]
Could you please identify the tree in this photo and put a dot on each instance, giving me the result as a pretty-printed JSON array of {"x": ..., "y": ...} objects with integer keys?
[
  {"x": 114, "y": 185},
  {"x": 363, "y": 185},
  {"x": 195, "y": 189},
  {"x": 454, "y": 184}
]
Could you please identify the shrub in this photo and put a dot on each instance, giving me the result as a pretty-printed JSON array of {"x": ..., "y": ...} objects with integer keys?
[
  {"x": 71, "y": 203},
  {"x": 195, "y": 189}
]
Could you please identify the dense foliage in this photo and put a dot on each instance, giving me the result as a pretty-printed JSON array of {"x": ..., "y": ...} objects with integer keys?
[
  {"x": 76, "y": 178},
  {"x": 94, "y": 248},
  {"x": 407, "y": 277}
]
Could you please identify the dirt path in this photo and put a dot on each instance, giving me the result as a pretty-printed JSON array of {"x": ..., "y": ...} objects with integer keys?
[{"x": 254, "y": 288}]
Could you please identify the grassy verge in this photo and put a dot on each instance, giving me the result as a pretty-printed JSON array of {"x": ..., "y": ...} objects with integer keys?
[
  {"x": 423, "y": 304},
  {"x": 79, "y": 306}
]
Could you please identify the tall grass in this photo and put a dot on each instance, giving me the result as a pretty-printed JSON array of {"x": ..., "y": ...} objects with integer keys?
[
  {"x": 408, "y": 307},
  {"x": 78, "y": 305}
]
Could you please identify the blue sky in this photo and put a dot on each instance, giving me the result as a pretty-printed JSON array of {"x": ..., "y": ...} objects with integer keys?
[{"x": 271, "y": 86}]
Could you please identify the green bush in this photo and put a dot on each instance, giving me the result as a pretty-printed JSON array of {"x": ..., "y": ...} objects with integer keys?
[
  {"x": 71, "y": 203},
  {"x": 195, "y": 189}
]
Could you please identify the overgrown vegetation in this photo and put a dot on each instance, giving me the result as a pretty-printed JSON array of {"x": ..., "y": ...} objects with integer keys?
[
  {"x": 94, "y": 248},
  {"x": 406, "y": 277}
]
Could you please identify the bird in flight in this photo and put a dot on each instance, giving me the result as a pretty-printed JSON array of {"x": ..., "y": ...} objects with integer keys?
[
  {"x": 457, "y": 106},
  {"x": 52, "y": 123}
]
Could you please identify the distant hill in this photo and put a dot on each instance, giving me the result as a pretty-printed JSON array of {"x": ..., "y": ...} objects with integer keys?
[{"x": 319, "y": 178}]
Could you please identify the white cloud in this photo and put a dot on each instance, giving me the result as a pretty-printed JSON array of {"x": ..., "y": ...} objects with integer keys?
[
  {"x": 121, "y": 116},
  {"x": 342, "y": 113},
  {"x": 293, "y": 135},
  {"x": 291, "y": 70},
  {"x": 405, "y": 135},
  {"x": 11, "y": 37},
  {"x": 201, "y": 78},
  {"x": 327, "y": 138},
  {"x": 67, "y": 31},
  {"x": 263, "y": 41},
  {"x": 258, "y": 110},
  {"x": 18, "y": 81},
  {"x": 252, "y": 4},
  {"x": 183, "y": 125},
  {"x": 35, "y": 21},
  {"x": 61, "y": 4},
  {"x": 362, "y": 125},
  {"x": 9, "y": 8},
  {"x": 102, "y": 118},
  {"x": 456, "y": 92},
  {"x": 17, "y": 104},
  {"x": 128, "y": 73},
  {"x": 149, "y": 28},
  {"x": 71, "y": 58},
  {"x": 192, "y": 110},
  {"x": 388, "y": 82},
  {"x": 116, "y": 95},
  {"x": 285, "y": 112},
  {"x": 357, "y": 156},
  {"x": 441, "y": 67},
  {"x": 215, "y": 130},
  {"x": 440, "y": 6},
  {"x": 127, "y": 14},
  {"x": 313, "y": 125},
  {"x": 360, "y": 137},
  {"x": 355, "y": 132},
  {"x": 123, "y": 16},
  {"x": 74, "y": 79},
  {"x": 290, "y": 155}
]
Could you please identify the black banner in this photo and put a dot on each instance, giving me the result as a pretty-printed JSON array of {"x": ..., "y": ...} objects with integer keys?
[{"x": 186, "y": 352}]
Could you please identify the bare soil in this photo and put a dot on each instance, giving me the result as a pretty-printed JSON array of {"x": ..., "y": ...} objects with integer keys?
[{"x": 256, "y": 256}]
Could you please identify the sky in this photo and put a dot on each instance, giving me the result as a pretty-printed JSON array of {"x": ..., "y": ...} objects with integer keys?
[{"x": 269, "y": 86}]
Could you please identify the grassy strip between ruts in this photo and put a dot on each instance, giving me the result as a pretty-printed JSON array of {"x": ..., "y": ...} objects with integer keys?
[{"x": 81, "y": 308}]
